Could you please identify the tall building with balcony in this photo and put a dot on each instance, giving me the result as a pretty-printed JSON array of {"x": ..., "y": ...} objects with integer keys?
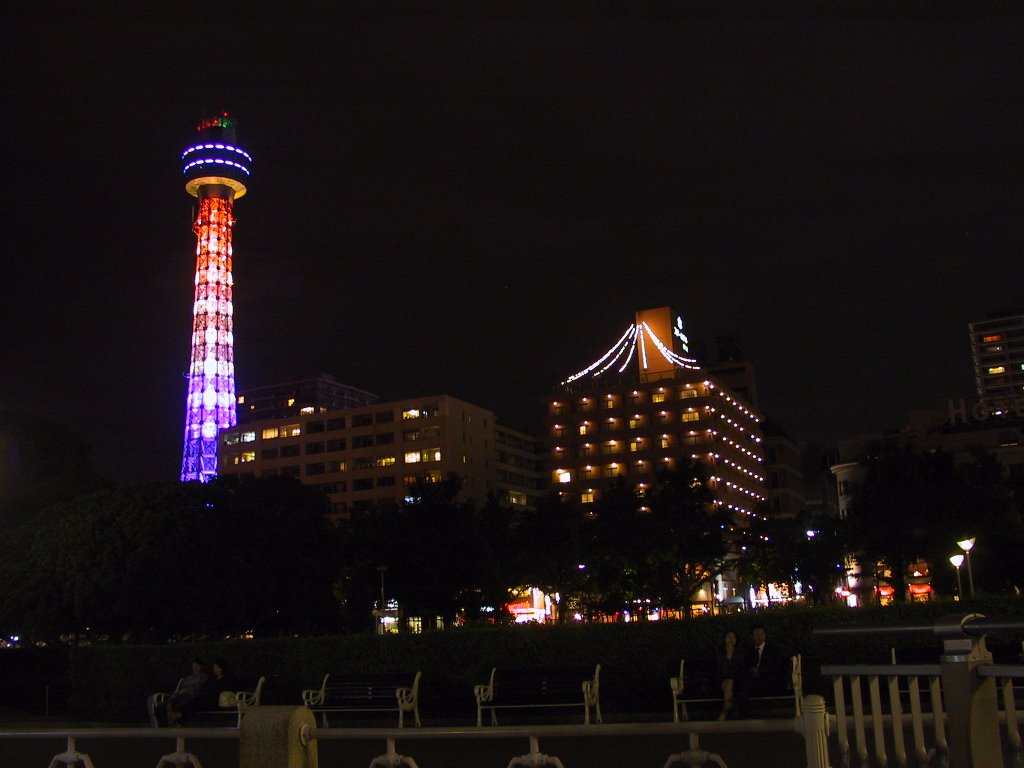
[
  {"x": 609, "y": 422},
  {"x": 369, "y": 455},
  {"x": 997, "y": 349}
]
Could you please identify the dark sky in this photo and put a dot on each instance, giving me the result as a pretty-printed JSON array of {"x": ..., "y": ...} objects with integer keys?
[{"x": 477, "y": 204}]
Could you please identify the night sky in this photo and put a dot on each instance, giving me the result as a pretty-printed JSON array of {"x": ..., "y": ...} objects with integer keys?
[{"x": 476, "y": 204}]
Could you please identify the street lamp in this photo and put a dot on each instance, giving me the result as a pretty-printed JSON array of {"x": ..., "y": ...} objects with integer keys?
[
  {"x": 967, "y": 545},
  {"x": 957, "y": 561}
]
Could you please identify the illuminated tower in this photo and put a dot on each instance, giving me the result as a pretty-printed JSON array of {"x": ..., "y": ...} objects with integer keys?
[{"x": 216, "y": 172}]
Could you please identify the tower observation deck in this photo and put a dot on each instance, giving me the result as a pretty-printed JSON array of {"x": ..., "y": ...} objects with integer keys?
[{"x": 216, "y": 171}]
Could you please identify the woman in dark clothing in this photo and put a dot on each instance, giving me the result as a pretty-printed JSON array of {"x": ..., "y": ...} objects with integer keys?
[
  {"x": 207, "y": 699},
  {"x": 730, "y": 668}
]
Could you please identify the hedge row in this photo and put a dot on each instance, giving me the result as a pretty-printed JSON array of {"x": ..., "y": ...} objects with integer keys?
[{"x": 111, "y": 682}]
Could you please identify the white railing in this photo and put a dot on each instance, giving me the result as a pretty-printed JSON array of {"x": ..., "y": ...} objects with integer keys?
[
  {"x": 956, "y": 724},
  {"x": 531, "y": 736}
]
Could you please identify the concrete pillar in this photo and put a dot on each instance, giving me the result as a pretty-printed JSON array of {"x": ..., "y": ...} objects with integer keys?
[
  {"x": 271, "y": 737},
  {"x": 815, "y": 729},
  {"x": 970, "y": 701}
]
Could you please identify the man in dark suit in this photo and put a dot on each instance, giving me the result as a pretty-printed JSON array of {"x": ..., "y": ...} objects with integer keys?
[{"x": 764, "y": 666}]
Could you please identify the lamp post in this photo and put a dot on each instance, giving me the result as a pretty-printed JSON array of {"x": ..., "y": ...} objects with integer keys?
[
  {"x": 957, "y": 561},
  {"x": 967, "y": 545}
]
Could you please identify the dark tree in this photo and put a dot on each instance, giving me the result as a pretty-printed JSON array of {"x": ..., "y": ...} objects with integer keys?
[
  {"x": 694, "y": 536},
  {"x": 42, "y": 462},
  {"x": 163, "y": 559},
  {"x": 914, "y": 505}
]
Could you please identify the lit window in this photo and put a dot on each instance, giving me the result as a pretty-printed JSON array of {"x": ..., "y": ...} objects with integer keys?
[
  {"x": 431, "y": 454},
  {"x": 517, "y": 497},
  {"x": 636, "y": 422},
  {"x": 691, "y": 416},
  {"x": 992, "y": 337},
  {"x": 564, "y": 476},
  {"x": 585, "y": 428},
  {"x": 291, "y": 401},
  {"x": 663, "y": 441},
  {"x": 230, "y": 438},
  {"x": 609, "y": 403},
  {"x": 587, "y": 497},
  {"x": 248, "y": 437},
  {"x": 636, "y": 445},
  {"x": 412, "y": 413},
  {"x": 658, "y": 397},
  {"x": 248, "y": 456},
  {"x": 291, "y": 430},
  {"x": 241, "y": 399},
  {"x": 386, "y": 461},
  {"x": 306, "y": 409},
  {"x": 996, "y": 369},
  {"x": 269, "y": 433},
  {"x": 687, "y": 393},
  {"x": 336, "y": 466}
]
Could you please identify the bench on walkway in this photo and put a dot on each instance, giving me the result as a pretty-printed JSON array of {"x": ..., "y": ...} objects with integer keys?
[
  {"x": 700, "y": 685},
  {"x": 386, "y": 692},
  {"x": 538, "y": 689},
  {"x": 232, "y": 707}
]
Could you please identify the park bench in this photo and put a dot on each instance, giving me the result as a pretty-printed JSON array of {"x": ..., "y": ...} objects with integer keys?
[
  {"x": 383, "y": 692},
  {"x": 700, "y": 685},
  {"x": 232, "y": 707},
  {"x": 538, "y": 689}
]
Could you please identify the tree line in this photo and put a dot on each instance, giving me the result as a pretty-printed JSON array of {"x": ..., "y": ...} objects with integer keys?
[{"x": 155, "y": 561}]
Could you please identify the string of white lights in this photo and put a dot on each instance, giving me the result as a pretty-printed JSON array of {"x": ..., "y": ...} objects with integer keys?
[
  {"x": 667, "y": 353},
  {"x": 622, "y": 348},
  {"x": 632, "y": 349},
  {"x": 630, "y": 330}
]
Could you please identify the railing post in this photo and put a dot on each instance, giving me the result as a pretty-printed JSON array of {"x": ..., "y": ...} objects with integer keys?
[
  {"x": 971, "y": 703},
  {"x": 275, "y": 737},
  {"x": 814, "y": 724}
]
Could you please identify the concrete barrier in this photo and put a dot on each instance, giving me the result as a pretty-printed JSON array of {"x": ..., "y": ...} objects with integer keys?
[{"x": 275, "y": 737}]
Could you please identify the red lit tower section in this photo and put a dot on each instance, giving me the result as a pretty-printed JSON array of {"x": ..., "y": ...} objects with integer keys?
[{"x": 216, "y": 171}]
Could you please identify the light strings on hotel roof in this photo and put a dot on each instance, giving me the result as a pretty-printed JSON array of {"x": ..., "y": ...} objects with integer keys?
[{"x": 626, "y": 345}]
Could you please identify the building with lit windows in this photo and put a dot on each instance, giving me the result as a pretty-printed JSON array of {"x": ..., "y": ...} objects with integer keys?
[
  {"x": 616, "y": 419},
  {"x": 997, "y": 349},
  {"x": 369, "y": 455},
  {"x": 317, "y": 394}
]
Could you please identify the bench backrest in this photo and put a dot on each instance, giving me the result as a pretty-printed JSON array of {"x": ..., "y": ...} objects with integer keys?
[
  {"x": 539, "y": 686},
  {"x": 367, "y": 688}
]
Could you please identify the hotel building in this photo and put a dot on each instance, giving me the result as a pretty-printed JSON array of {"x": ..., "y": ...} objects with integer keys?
[
  {"x": 604, "y": 423},
  {"x": 369, "y": 455},
  {"x": 997, "y": 349}
]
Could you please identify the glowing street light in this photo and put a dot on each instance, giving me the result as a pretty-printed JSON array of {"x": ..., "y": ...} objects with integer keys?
[
  {"x": 957, "y": 561},
  {"x": 967, "y": 545}
]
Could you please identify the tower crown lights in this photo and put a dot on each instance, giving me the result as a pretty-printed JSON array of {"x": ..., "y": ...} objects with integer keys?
[{"x": 215, "y": 159}]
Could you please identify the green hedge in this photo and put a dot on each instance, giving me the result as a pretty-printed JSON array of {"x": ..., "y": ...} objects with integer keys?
[{"x": 111, "y": 682}]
